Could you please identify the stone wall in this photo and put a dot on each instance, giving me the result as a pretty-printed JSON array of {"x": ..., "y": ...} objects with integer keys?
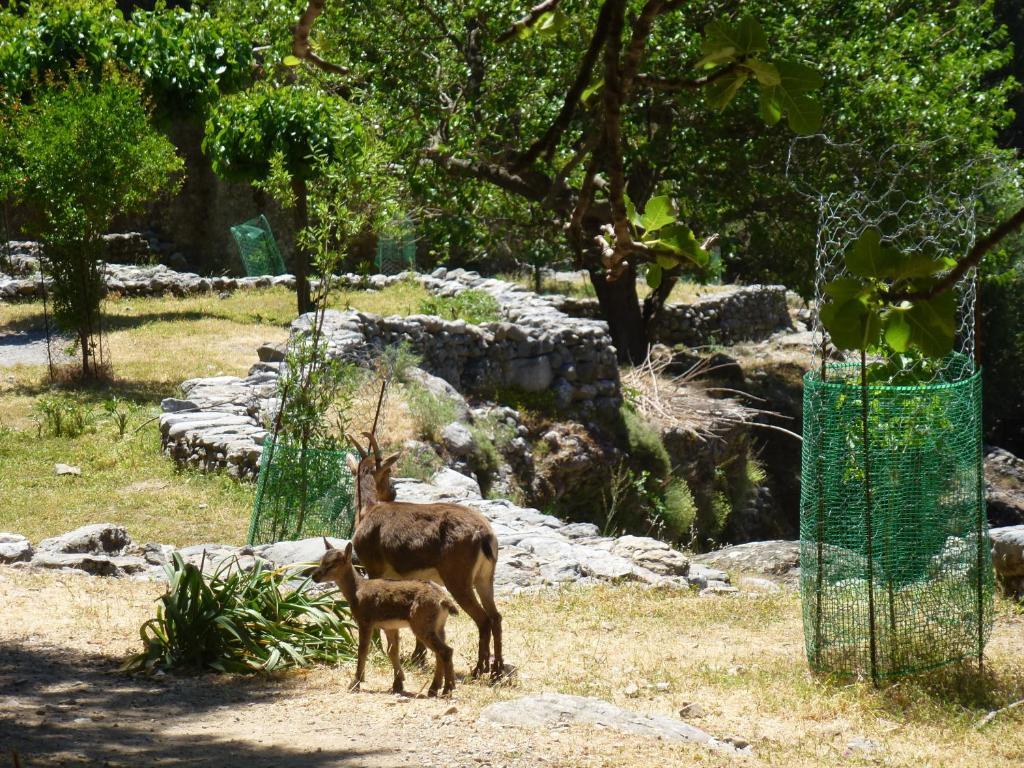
[
  {"x": 740, "y": 313},
  {"x": 219, "y": 422}
]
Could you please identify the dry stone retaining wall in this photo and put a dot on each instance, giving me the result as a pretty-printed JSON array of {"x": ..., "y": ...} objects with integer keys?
[{"x": 739, "y": 313}]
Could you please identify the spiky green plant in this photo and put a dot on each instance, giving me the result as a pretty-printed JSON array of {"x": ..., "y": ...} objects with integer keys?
[{"x": 236, "y": 620}]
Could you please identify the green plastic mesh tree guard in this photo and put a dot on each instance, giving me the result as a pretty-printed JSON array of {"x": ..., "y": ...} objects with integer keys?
[
  {"x": 396, "y": 251},
  {"x": 896, "y": 573},
  {"x": 302, "y": 493},
  {"x": 258, "y": 248}
]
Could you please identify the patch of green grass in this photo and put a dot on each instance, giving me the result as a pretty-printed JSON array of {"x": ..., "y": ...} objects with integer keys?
[
  {"x": 127, "y": 481},
  {"x": 471, "y": 305},
  {"x": 154, "y": 344}
]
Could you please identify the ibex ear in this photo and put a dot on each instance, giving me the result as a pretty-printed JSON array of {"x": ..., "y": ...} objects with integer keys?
[
  {"x": 353, "y": 464},
  {"x": 348, "y": 550},
  {"x": 327, "y": 544},
  {"x": 390, "y": 460}
]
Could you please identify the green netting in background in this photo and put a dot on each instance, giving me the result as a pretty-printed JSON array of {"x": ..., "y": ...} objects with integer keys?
[
  {"x": 896, "y": 573},
  {"x": 396, "y": 252},
  {"x": 302, "y": 493},
  {"x": 257, "y": 247}
]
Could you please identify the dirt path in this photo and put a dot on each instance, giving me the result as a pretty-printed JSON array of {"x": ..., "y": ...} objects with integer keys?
[{"x": 63, "y": 702}]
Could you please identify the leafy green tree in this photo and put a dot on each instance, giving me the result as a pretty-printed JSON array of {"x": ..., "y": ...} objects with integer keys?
[
  {"x": 302, "y": 128},
  {"x": 549, "y": 106},
  {"x": 86, "y": 153}
]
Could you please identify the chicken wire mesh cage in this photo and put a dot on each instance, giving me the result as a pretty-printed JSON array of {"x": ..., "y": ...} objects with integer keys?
[
  {"x": 257, "y": 247},
  {"x": 396, "y": 248},
  {"x": 302, "y": 491},
  {"x": 896, "y": 574}
]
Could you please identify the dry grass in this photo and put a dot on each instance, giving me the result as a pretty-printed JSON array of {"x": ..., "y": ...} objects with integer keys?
[
  {"x": 740, "y": 657},
  {"x": 155, "y": 344}
]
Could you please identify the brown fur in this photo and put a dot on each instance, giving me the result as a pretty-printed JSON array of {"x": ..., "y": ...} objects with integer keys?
[
  {"x": 406, "y": 539},
  {"x": 422, "y": 606}
]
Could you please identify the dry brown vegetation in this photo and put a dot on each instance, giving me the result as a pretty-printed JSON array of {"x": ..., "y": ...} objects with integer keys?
[{"x": 740, "y": 657}]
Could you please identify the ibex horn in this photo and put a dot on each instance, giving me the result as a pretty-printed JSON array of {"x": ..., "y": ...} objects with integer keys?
[
  {"x": 355, "y": 444},
  {"x": 376, "y": 448}
]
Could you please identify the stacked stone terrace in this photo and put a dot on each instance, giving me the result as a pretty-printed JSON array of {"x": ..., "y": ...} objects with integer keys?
[{"x": 220, "y": 422}]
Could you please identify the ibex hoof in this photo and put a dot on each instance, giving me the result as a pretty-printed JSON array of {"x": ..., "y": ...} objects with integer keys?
[
  {"x": 397, "y": 687},
  {"x": 447, "y": 692},
  {"x": 431, "y": 693}
]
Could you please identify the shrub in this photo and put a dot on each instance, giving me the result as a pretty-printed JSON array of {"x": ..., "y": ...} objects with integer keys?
[
  {"x": 240, "y": 621},
  {"x": 87, "y": 153},
  {"x": 61, "y": 416},
  {"x": 472, "y": 305},
  {"x": 644, "y": 443},
  {"x": 678, "y": 510},
  {"x": 430, "y": 414}
]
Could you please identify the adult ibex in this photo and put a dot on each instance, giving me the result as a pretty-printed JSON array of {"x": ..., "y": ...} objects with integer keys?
[{"x": 448, "y": 543}]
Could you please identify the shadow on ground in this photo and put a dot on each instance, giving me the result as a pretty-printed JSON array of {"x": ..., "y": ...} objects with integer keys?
[{"x": 62, "y": 707}]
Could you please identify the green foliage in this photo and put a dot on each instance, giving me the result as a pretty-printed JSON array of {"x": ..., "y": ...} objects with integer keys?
[
  {"x": 86, "y": 153},
  {"x": 120, "y": 411},
  {"x": 644, "y": 443},
  {"x": 430, "y": 413},
  {"x": 186, "y": 59},
  {"x": 783, "y": 85},
  {"x": 859, "y": 308},
  {"x": 658, "y": 227},
  {"x": 678, "y": 511},
  {"x": 420, "y": 465},
  {"x": 61, "y": 415},
  {"x": 301, "y": 125},
  {"x": 472, "y": 305},
  {"x": 183, "y": 59},
  {"x": 241, "y": 621}
]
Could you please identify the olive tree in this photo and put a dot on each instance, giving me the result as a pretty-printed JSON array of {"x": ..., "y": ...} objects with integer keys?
[{"x": 86, "y": 152}]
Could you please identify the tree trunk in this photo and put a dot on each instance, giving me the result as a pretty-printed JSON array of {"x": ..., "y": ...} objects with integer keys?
[
  {"x": 620, "y": 307},
  {"x": 301, "y": 255},
  {"x": 656, "y": 301}
]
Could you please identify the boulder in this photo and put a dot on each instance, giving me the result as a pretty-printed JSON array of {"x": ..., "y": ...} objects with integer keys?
[
  {"x": 441, "y": 389},
  {"x": 1008, "y": 558},
  {"x": 550, "y": 710},
  {"x": 459, "y": 441},
  {"x": 14, "y": 548},
  {"x": 96, "y": 565},
  {"x": 767, "y": 558},
  {"x": 271, "y": 352},
  {"x": 455, "y": 485},
  {"x": 652, "y": 554},
  {"x": 531, "y": 374},
  {"x": 96, "y": 539},
  {"x": 67, "y": 469},
  {"x": 1004, "y": 487},
  {"x": 301, "y": 551}
]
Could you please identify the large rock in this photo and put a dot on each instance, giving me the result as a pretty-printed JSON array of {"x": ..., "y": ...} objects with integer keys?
[
  {"x": 93, "y": 564},
  {"x": 652, "y": 554},
  {"x": 96, "y": 539},
  {"x": 294, "y": 552},
  {"x": 549, "y": 710},
  {"x": 14, "y": 548},
  {"x": 440, "y": 389},
  {"x": 1008, "y": 558},
  {"x": 459, "y": 441},
  {"x": 1004, "y": 481},
  {"x": 768, "y": 558}
]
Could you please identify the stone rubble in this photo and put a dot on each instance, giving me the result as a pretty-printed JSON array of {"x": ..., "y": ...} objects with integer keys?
[{"x": 537, "y": 550}]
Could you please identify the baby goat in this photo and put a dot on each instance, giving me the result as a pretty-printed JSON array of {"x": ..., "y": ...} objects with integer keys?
[{"x": 391, "y": 604}]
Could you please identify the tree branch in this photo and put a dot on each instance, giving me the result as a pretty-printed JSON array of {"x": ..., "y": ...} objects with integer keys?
[
  {"x": 528, "y": 20},
  {"x": 533, "y": 185},
  {"x": 638, "y": 43},
  {"x": 300, "y": 39},
  {"x": 972, "y": 259},
  {"x": 572, "y": 96},
  {"x": 675, "y": 85}
]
